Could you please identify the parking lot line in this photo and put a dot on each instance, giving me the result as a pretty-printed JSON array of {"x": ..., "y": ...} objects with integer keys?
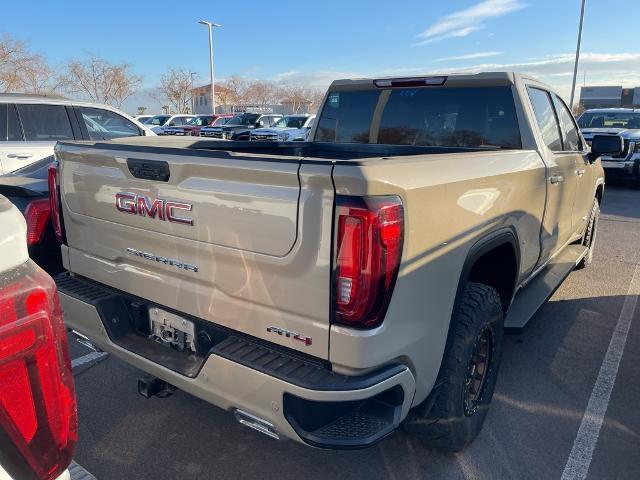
[
  {"x": 586, "y": 440},
  {"x": 89, "y": 357}
]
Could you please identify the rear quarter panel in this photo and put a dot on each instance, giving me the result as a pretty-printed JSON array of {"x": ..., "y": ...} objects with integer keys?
[{"x": 451, "y": 201}]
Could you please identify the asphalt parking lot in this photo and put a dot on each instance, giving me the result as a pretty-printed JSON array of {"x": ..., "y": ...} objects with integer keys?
[{"x": 545, "y": 386}]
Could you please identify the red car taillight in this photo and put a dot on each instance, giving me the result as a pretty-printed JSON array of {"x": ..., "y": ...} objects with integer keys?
[
  {"x": 37, "y": 215},
  {"x": 370, "y": 232},
  {"x": 37, "y": 396},
  {"x": 54, "y": 201}
]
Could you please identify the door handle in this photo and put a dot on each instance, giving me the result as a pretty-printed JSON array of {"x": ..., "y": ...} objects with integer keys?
[
  {"x": 580, "y": 172},
  {"x": 21, "y": 156},
  {"x": 555, "y": 179}
]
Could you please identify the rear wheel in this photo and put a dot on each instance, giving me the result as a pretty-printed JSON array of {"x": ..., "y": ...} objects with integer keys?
[
  {"x": 467, "y": 375},
  {"x": 589, "y": 238}
]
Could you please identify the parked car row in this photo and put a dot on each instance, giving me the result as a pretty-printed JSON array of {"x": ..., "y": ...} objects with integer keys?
[
  {"x": 262, "y": 126},
  {"x": 193, "y": 126}
]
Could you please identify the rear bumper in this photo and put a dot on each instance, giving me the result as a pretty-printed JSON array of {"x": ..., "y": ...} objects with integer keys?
[{"x": 300, "y": 398}]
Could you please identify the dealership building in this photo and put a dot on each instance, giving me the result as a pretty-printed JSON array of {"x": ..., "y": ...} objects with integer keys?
[{"x": 610, "y": 97}]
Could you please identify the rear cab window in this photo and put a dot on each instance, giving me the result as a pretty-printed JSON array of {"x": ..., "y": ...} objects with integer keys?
[{"x": 470, "y": 117}]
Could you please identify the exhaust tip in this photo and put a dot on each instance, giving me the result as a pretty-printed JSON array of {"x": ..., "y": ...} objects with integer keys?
[{"x": 256, "y": 423}]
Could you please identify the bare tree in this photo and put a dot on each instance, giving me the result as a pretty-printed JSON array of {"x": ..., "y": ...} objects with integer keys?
[
  {"x": 260, "y": 92},
  {"x": 141, "y": 110},
  {"x": 23, "y": 71},
  {"x": 316, "y": 96},
  {"x": 235, "y": 91},
  {"x": 176, "y": 87},
  {"x": 100, "y": 80},
  {"x": 578, "y": 109},
  {"x": 297, "y": 96}
]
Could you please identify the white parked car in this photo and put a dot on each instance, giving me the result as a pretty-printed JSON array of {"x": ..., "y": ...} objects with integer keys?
[
  {"x": 158, "y": 123},
  {"x": 292, "y": 128},
  {"x": 143, "y": 118},
  {"x": 30, "y": 126}
]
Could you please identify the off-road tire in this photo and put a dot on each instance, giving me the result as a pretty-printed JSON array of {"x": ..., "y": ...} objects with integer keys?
[
  {"x": 446, "y": 421},
  {"x": 590, "y": 234}
]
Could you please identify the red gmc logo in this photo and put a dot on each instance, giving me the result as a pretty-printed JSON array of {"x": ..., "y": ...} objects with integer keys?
[{"x": 142, "y": 205}]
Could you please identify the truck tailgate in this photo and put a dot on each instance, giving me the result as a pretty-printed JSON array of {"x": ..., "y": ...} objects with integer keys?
[{"x": 256, "y": 255}]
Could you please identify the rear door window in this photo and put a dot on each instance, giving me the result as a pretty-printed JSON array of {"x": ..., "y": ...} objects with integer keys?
[
  {"x": 450, "y": 117},
  {"x": 9, "y": 125},
  {"x": 45, "y": 122},
  {"x": 570, "y": 135},
  {"x": 346, "y": 117},
  {"x": 105, "y": 124},
  {"x": 546, "y": 118}
]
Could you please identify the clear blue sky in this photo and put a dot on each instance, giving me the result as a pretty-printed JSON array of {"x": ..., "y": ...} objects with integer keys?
[{"x": 314, "y": 42}]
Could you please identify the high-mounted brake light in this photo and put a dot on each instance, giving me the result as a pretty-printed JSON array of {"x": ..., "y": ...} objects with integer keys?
[
  {"x": 37, "y": 215},
  {"x": 37, "y": 397},
  {"x": 410, "y": 82},
  {"x": 370, "y": 233},
  {"x": 56, "y": 206}
]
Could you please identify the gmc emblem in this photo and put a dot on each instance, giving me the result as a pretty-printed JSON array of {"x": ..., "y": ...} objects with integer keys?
[{"x": 142, "y": 205}]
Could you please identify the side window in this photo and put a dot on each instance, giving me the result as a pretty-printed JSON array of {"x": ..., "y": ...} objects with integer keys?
[
  {"x": 9, "y": 124},
  {"x": 346, "y": 117},
  {"x": 546, "y": 118},
  {"x": 568, "y": 126},
  {"x": 45, "y": 122},
  {"x": 105, "y": 124}
]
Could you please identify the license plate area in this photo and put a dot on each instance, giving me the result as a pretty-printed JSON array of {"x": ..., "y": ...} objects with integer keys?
[{"x": 172, "y": 330}]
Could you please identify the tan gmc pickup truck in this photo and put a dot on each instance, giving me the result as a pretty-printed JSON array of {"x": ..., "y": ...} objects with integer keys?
[{"x": 335, "y": 290}]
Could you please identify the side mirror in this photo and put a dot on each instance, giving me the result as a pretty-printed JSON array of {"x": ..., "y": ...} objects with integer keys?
[{"x": 605, "y": 145}]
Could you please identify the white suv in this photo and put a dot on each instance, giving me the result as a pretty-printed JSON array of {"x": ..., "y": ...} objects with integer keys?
[
  {"x": 30, "y": 126},
  {"x": 158, "y": 123}
]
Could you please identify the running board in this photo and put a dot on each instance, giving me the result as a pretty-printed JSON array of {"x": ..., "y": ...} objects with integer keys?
[{"x": 531, "y": 297}]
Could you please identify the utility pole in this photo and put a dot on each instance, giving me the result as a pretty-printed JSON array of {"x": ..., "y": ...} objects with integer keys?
[
  {"x": 211, "y": 25},
  {"x": 575, "y": 67}
]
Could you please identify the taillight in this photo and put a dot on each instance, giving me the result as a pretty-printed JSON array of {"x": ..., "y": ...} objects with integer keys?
[
  {"x": 370, "y": 232},
  {"x": 56, "y": 206},
  {"x": 37, "y": 397},
  {"x": 37, "y": 215}
]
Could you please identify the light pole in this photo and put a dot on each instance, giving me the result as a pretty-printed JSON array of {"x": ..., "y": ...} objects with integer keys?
[
  {"x": 213, "y": 88},
  {"x": 575, "y": 67},
  {"x": 193, "y": 101}
]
